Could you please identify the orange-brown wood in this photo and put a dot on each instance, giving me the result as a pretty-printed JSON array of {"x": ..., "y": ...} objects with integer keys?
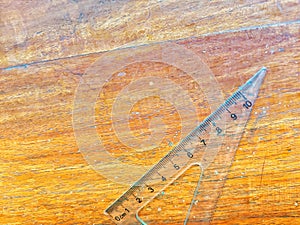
[{"x": 46, "y": 48}]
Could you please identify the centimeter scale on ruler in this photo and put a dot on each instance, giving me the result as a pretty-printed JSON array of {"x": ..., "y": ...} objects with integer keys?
[{"x": 199, "y": 147}]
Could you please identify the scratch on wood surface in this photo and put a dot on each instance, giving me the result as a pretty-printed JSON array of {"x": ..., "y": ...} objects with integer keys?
[
  {"x": 262, "y": 170},
  {"x": 137, "y": 45},
  {"x": 286, "y": 23}
]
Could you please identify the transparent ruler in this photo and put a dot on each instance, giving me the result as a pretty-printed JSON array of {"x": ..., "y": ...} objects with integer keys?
[{"x": 212, "y": 142}]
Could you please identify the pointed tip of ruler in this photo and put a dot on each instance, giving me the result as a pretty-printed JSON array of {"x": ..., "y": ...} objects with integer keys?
[
  {"x": 264, "y": 68},
  {"x": 260, "y": 74},
  {"x": 256, "y": 79}
]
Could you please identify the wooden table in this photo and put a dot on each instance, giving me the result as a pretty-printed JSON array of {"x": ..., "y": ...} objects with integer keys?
[{"x": 48, "y": 46}]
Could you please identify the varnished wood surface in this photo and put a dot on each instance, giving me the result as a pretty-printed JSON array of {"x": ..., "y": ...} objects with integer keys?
[{"x": 46, "y": 47}]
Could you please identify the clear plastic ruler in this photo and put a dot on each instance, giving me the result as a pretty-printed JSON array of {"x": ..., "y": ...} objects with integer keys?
[{"x": 212, "y": 144}]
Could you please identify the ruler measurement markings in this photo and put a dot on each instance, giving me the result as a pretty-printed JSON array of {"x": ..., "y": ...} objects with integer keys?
[
  {"x": 242, "y": 95},
  {"x": 182, "y": 150}
]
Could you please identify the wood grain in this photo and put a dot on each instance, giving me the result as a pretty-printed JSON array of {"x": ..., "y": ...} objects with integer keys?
[{"x": 46, "y": 47}]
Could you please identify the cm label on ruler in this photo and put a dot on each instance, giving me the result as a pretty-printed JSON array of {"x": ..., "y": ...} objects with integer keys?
[{"x": 201, "y": 143}]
